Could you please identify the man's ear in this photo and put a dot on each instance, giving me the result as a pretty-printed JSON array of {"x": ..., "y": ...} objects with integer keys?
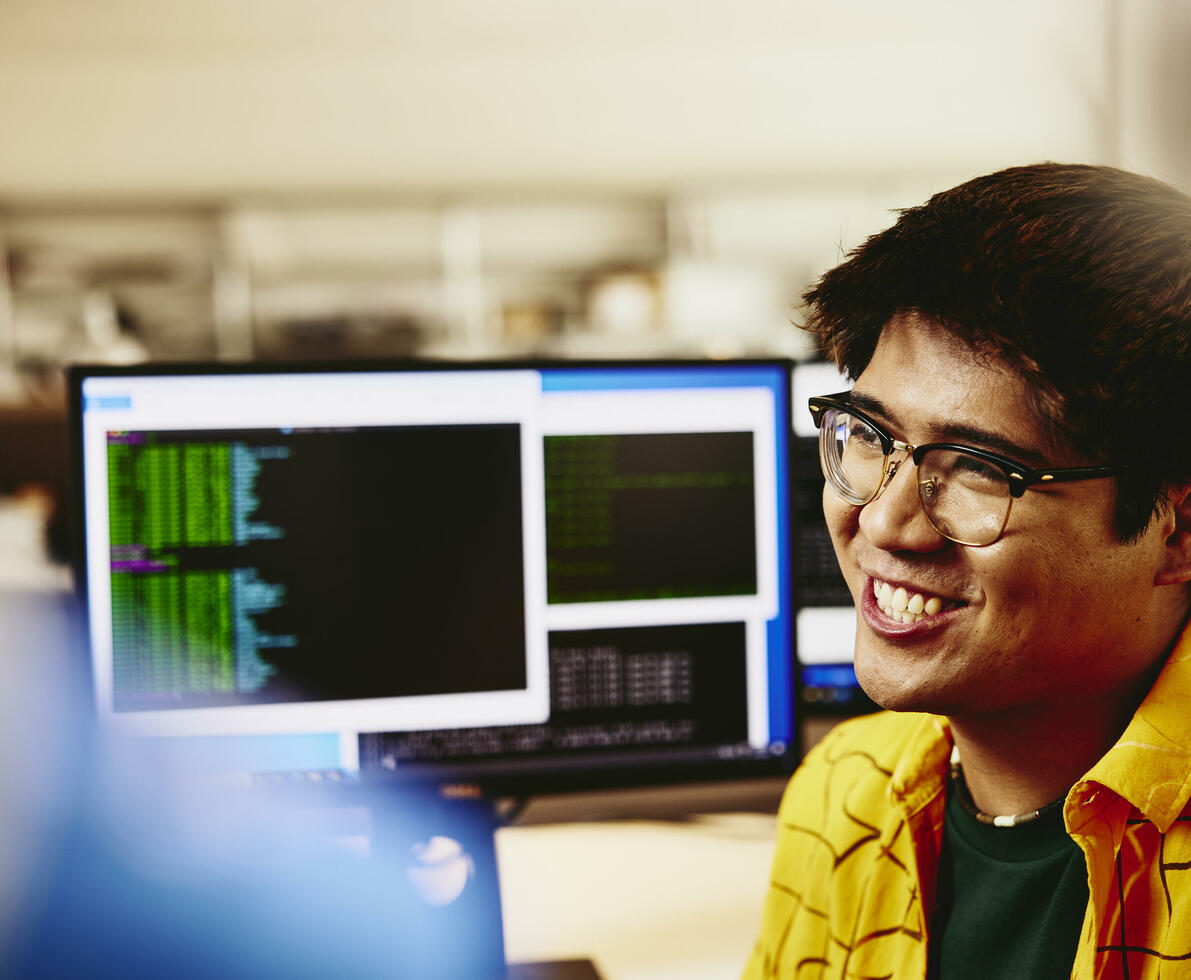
[{"x": 1176, "y": 565}]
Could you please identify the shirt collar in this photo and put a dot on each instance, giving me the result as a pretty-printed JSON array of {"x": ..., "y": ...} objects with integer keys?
[
  {"x": 921, "y": 771},
  {"x": 1150, "y": 765}
]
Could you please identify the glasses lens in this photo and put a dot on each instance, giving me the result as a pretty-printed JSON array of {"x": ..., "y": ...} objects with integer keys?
[
  {"x": 852, "y": 455},
  {"x": 965, "y": 497}
]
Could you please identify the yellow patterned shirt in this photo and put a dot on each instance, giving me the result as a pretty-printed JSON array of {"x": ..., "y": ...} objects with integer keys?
[{"x": 861, "y": 824}]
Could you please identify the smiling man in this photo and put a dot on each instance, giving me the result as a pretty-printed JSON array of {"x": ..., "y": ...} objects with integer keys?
[{"x": 1008, "y": 495}]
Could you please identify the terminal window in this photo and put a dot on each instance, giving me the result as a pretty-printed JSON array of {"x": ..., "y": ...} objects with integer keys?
[
  {"x": 265, "y": 565},
  {"x": 640, "y": 687},
  {"x": 650, "y": 516}
]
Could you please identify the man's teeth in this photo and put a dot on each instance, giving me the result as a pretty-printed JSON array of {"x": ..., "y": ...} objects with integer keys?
[{"x": 897, "y": 603}]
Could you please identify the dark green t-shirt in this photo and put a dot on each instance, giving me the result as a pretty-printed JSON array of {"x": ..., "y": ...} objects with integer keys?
[{"x": 1010, "y": 900}]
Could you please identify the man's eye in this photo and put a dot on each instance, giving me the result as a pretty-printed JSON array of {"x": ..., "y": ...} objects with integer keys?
[
  {"x": 974, "y": 468},
  {"x": 863, "y": 435}
]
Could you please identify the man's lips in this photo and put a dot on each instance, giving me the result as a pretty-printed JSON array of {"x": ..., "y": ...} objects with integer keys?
[{"x": 901, "y": 610}]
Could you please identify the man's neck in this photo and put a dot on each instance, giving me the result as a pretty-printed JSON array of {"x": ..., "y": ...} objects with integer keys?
[{"x": 1017, "y": 764}]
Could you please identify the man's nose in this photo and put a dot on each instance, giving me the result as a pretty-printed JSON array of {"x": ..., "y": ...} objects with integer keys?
[{"x": 895, "y": 521}]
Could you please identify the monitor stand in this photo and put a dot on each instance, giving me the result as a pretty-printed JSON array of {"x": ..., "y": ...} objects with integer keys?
[{"x": 554, "y": 970}]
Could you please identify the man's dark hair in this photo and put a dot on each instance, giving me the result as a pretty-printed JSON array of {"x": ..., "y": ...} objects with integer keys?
[{"x": 1078, "y": 277}]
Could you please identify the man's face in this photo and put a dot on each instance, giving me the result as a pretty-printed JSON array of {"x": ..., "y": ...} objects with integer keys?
[{"x": 1058, "y": 608}]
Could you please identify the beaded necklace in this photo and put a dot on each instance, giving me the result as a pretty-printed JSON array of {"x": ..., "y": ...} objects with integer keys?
[{"x": 964, "y": 796}]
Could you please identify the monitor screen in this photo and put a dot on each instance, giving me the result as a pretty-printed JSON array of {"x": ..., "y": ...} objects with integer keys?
[
  {"x": 542, "y": 575},
  {"x": 825, "y": 620}
]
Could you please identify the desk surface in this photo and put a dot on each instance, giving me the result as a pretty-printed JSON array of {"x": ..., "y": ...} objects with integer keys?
[{"x": 644, "y": 900}]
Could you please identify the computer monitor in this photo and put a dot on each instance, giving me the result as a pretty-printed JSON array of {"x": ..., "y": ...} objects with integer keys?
[{"x": 531, "y": 576}]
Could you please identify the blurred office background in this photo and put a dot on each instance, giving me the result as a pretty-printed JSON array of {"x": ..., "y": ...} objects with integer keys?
[
  {"x": 300, "y": 178},
  {"x": 464, "y": 178}
]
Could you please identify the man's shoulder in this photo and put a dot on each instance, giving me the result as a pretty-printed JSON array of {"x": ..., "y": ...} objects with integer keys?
[
  {"x": 846, "y": 860},
  {"x": 859, "y": 757},
  {"x": 885, "y": 736}
]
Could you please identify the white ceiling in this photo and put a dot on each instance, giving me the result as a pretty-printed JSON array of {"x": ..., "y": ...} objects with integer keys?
[{"x": 147, "y": 98}]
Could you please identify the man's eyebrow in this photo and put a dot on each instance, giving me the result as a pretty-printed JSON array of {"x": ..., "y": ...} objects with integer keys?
[{"x": 959, "y": 432}]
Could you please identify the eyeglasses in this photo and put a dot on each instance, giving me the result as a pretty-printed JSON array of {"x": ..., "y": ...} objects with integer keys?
[{"x": 966, "y": 493}]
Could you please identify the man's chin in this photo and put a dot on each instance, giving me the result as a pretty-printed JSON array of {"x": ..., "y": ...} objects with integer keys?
[{"x": 896, "y": 687}]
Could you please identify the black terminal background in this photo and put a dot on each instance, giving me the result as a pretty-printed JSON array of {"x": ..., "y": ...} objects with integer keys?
[
  {"x": 720, "y": 703},
  {"x": 818, "y": 579},
  {"x": 666, "y": 542},
  {"x": 402, "y": 560}
]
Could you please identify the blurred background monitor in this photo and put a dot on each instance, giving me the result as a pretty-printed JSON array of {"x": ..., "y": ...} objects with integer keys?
[
  {"x": 532, "y": 577},
  {"x": 826, "y": 616}
]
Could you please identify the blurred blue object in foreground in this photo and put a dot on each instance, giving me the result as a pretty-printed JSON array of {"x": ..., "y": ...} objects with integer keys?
[{"x": 114, "y": 863}]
